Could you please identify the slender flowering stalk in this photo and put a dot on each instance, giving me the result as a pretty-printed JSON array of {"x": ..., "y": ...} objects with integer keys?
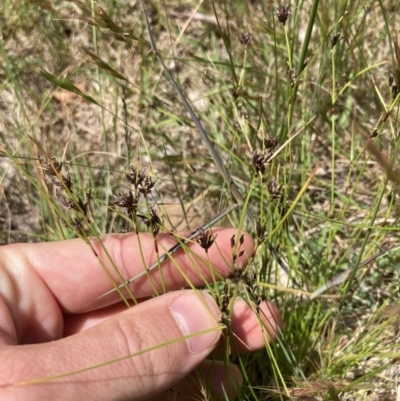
[
  {"x": 178, "y": 246},
  {"x": 216, "y": 157}
]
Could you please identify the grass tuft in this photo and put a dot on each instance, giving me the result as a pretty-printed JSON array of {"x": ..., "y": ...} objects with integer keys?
[{"x": 105, "y": 131}]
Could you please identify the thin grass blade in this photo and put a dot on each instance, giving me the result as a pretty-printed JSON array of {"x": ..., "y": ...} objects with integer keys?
[
  {"x": 176, "y": 247},
  {"x": 216, "y": 157}
]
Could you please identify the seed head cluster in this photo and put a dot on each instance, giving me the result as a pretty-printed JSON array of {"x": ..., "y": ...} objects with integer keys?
[
  {"x": 206, "y": 239},
  {"x": 261, "y": 159},
  {"x": 283, "y": 14},
  {"x": 70, "y": 199},
  {"x": 143, "y": 185}
]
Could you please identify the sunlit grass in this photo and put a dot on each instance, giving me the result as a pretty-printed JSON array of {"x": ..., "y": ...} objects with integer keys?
[{"x": 316, "y": 87}]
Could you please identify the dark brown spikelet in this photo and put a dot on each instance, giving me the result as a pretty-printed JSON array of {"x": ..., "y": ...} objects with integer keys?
[
  {"x": 270, "y": 144},
  {"x": 77, "y": 206},
  {"x": 77, "y": 225},
  {"x": 274, "y": 190},
  {"x": 140, "y": 180},
  {"x": 335, "y": 38},
  {"x": 88, "y": 199},
  {"x": 206, "y": 239},
  {"x": 391, "y": 79},
  {"x": 62, "y": 182},
  {"x": 245, "y": 38},
  {"x": 224, "y": 308},
  {"x": 126, "y": 200},
  {"x": 283, "y": 14},
  {"x": 67, "y": 181},
  {"x": 135, "y": 176},
  {"x": 123, "y": 200},
  {"x": 236, "y": 275},
  {"x": 259, "y": 160},
  {"x": 241, "y": 241},
  {"x": 395, "y": 91},
  {"x": 52, "y": 168},
  {"x": 146, "y": 186},
  {"x": 68, "y": 203},
  {"x": 153, "y": 222},
  {"x": 233, "y": 240},
  {"x": 63, "y": 222},
  {"x": 241, "y": 253},
  {"x": 260, "y": 299}
]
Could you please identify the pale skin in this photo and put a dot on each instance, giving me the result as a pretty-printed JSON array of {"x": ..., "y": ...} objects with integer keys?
[{"x": 52, "y": 322}]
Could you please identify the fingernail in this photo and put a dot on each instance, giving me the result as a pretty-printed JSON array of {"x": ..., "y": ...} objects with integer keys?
[{"x": 195, "y": 312}]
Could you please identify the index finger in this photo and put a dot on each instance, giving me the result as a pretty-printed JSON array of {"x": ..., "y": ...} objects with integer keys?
[{"x": 75, "y": 276}]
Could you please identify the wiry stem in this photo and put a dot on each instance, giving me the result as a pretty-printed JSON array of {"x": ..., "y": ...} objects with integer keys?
[
  {"x": 176, "y": 247},
  {"x": 216, "y": 157}
]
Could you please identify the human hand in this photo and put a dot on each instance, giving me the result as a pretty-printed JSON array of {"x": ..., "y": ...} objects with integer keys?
[{"x": 52, "y": 324}]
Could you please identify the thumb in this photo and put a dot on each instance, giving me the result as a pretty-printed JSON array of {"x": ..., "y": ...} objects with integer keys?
[{"x": 135, "y": 354}]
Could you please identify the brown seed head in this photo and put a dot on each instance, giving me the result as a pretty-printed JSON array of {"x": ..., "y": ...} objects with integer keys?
[
  {"x": 245, "y": 38},
  {"x": 283, "y": 14},
  {"x": 206, "y": 239},
  {"x": 127, "y": 201},
  {"x": 51, "y": 168},
  {"x": 335, "y": 38},
  {"x": 146, "y": 185},
  {"x": 391, "y": 79},
  {"x": 152, "y": 222},
  {"x": 135, "y": 176}
]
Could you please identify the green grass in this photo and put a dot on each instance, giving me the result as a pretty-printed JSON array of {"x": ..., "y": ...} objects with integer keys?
[{"x": 332, "y": 206}]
